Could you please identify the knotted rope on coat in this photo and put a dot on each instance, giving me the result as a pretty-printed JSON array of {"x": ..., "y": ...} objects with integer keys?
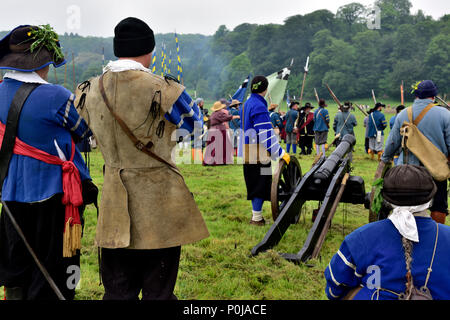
[{"x": 72, "y": 197}]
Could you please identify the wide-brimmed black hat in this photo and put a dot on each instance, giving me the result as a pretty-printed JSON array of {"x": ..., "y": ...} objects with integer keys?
[
  {"x": 306, "y": 106},
  {"x": 15, "y": 51},
  {"x": 293, "y": 103},
  {"x": 408, "y": 185}
]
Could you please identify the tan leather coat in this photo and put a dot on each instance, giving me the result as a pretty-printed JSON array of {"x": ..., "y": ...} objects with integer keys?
[{"x": 144, "y": 204}]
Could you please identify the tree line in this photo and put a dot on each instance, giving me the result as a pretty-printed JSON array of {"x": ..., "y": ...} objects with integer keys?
[{"x": 344, "y": 52}]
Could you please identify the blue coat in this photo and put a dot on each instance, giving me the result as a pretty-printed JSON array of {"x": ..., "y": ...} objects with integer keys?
[
  {"x": 48, "y": 115},
  {"x": 236, "y": 123},
  {"x": 291, "y": 116},
  {"x": 257, "y": 127},
  {"x": 275, "y": 118},
  {"x": 321, "y": 120},
  {"x": 375, "y": 251},
  {"x": 380, "y": 122},
  {"x": 344, "y": 122},
  {"x": 435, "y": 126},
  {"x": 392, "y": 121}
]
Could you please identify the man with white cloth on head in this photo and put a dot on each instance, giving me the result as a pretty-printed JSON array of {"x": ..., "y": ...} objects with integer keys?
[{"x": 404, "y": 257}]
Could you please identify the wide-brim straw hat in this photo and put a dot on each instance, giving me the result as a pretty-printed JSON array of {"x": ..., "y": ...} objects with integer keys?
[
  {"x": 15, "y": 53},
  {"x": 218, "y": 106}
]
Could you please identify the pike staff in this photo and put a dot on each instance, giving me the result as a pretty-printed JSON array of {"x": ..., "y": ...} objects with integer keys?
[
  {"x": 303, "y": 86},
  {"x": 41, "y": 267},
  {"x": 317, "y": 96},
  {"x": 374, "y": 98},
  {"x": 446, "y": 105}
]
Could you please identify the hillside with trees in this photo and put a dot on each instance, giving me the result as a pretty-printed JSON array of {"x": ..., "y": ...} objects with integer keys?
[{"x": 343, "y": 51}]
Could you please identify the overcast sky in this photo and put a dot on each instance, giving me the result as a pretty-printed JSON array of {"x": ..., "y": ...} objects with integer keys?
[{"x": 98, "y": 17}]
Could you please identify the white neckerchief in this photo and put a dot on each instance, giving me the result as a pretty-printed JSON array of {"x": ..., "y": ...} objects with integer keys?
[
  {"x": 27, "y": 77},
  {"x": 404, "y": 221},
  {"x": 124, "y": 65}
]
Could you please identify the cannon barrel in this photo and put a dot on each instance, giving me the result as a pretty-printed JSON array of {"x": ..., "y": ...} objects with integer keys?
[{"x": 329, "y": 166}]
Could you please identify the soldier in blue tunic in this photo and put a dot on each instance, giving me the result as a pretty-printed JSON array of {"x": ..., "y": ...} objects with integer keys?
[
  {"x": 260, "y": 145},
  {"x": 33, "y": 189},
  {"x": 403, "y": 257},
  {"x": 376, "y": 125}
]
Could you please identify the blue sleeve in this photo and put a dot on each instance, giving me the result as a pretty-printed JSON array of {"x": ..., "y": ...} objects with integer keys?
[
  {"x": 266, "y": 135},
  {"x": 393, "y": 142},
  {"x": 185, "y": 114},
  {"x": 342, "y": 274},
  {"x": 383, "y": 122},
  {"x": 67, "y": 116}
]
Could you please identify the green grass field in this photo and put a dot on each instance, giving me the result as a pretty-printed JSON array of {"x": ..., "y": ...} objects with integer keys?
[{"x": 220, "y": 267}]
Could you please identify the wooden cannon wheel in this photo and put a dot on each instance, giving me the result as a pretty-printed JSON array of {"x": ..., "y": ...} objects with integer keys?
[{"x": 284, "y": 181}]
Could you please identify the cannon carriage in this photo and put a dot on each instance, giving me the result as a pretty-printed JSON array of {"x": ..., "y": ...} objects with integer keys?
[{"x": 329, "y": 181}]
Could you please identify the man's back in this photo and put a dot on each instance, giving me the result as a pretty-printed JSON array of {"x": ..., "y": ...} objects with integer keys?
[
  {"x": 145, "y": 203},
  {"x": 379, "y": 245},
  {"x": 435, "y": 126}
]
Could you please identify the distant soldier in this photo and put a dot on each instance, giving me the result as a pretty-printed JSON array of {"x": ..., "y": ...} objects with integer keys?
[
  {"x": 391, "y": 125},
  {"x": 291, "y": 132},
  {"x": 397, "y": 111},
  {"x": 305, "y": 127},
  {"x": 344, "y": 122},
  {"x": 235, "y": 123},
  {"x": 376, "y": 124},
  {"x": 321, "y": 126},
  {"x": 275, "y": 118},
  {"x": 435, "y": 126}
]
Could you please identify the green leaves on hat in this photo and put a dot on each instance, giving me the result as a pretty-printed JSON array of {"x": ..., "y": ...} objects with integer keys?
[{"x": 44, "y": 36}]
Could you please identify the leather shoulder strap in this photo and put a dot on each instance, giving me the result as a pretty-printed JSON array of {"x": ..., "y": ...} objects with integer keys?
[
  {"x": 423, "y": 113},
  {"x": 137, "y": 143},
  {"x": 12, "y": 122}
]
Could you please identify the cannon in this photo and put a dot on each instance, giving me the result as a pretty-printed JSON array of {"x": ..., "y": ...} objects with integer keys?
[{"x": 328, "y": 181}]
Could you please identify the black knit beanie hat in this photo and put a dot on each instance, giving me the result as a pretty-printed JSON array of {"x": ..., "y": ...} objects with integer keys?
[
  {"x": 259, "y": 84},
  {"x": 133, "y": 38},
  {"x": 408, "y": 185}
]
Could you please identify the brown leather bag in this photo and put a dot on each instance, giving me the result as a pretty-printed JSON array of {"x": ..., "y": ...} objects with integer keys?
[{"x": 427, "y": 153}]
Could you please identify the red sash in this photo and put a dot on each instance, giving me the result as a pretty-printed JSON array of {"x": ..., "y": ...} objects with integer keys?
[{"x": 72, "y": 197}]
